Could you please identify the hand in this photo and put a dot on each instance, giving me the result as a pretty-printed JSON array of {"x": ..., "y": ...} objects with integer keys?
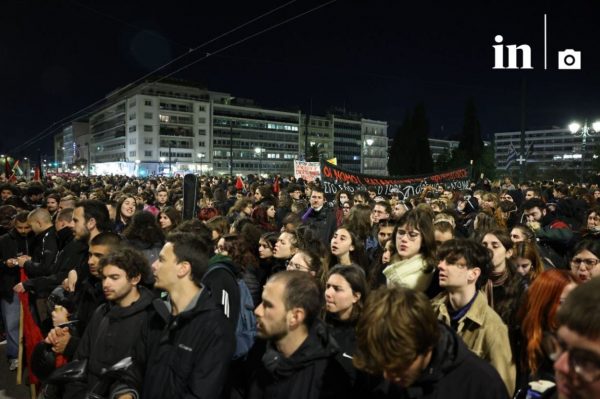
[
  {"x": 60, "y": 315},
  {"x": 70, "y": 281},
  {"x": 58, "y": 338},
  {"x": 19, "y": 289},
  {"x": 12, "y": 262},
  {"x": 535, "y": 226},
  {"x": 22, "y": 259}
]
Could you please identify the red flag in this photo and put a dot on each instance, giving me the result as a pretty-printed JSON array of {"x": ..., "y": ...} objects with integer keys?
[
  {"x": 239, "y": 184},
  {"x": 7, "y": 168},
  {"x": 276, "y": 185},
  {"x": 31, "y": 332},
  {"x": 13, "y": 170}
]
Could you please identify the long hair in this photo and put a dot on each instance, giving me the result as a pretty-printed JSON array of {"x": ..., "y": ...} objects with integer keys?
[
  {"x": 538, "y": 312},
  {"x": 145, "y": 228},
  {"x": 173, "y": 214},
  {"x": 358, "y": 256},
  {"x": 527, "y": 250},
  {"x": 359, "y": 220},
  {"x": 355, "y": 276},
  {"x": 423, "y": 223}
]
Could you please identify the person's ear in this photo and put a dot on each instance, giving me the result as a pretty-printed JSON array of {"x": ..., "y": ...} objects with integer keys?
[
  {"x": 356, "y": 297},
  {"x": 296, "y": 317},
  {"x": 184, "y": 268},
  {"x": 136, "y": 280},
  {"x": 473, "y": 274}
]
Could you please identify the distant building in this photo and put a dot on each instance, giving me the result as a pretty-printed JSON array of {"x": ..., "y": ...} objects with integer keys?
[
  {"x": 554, "y": 148},
  {"x": 175, "y": 126}
]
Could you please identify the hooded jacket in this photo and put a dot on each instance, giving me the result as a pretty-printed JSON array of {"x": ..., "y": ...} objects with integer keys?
[
  {"x": 453, "y": 372},
  {"x": 43, "y": 254},
  {"x": 312, "y": 372},
  {"x": 110, "y": 336},
  {"x": 182, "y": 356}
]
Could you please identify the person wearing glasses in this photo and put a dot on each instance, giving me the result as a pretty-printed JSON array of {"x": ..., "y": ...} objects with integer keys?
[
  {"x": 576, "y": 353},
  {"x": 415, "y": 247},
  {"x": 585, "y": 262}
]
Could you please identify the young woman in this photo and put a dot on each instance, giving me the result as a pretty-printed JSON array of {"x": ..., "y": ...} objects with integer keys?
[
  {"x": 168, "y": 218},
  {"x": 345, "y": 293},
  {"x": 527, "y": 260},
  {"x": 415, "y": 248},
  {"x": 286, "y": 246},
  {"x": 537, "y": 316},
  {"x": 218, "y": 226},
  {"x": 268, "y": 265},
  {"x": 521, "y": 233},
  {"x": 307, "y": 260},
  {"x": 346, "y": 248},
  {"x": 145, "y": 235},
  {"x": 126, "y": 207},
  {"x": 585, "y": 262}
]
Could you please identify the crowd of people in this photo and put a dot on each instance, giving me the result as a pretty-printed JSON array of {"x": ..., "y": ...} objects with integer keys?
[{"x": 274, "y": 290}]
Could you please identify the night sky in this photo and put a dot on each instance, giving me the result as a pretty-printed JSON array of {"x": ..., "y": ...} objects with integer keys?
[{"x": 378, "y": 58}]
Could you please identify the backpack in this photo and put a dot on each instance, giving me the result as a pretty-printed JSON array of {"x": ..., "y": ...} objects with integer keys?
[{"x": 245, "y": 328}]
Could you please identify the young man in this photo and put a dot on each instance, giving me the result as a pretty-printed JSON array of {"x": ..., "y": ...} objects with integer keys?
[
  {"x": 187, "y": 344},
  {"x": 399, "y": 337},
  {"x": 162, "y": 198},
  {"x": 12, "y": 244},
  {"x": 115, "y": 326},
  {"x": 300, "y": 358},
  {"x": 577, "y": 343},
  {"x": 88, "y": 295},
  {"x": 464, "y": 267},
  {"x": 319, "y": 217}
]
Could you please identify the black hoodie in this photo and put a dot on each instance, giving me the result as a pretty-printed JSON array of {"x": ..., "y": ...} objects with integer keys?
[
  {"x": 453, "y": 372},
  {"x": 311, "y": 372}
]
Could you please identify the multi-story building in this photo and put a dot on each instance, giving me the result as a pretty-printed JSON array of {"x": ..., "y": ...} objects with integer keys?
[
  {"x": 67, "y": 143},
  {"x": 374, "y": 142},
  {"x": 440, "y": 146},
  {"x": 174, "y": 126},
  {"x": 549, "y": 149}
]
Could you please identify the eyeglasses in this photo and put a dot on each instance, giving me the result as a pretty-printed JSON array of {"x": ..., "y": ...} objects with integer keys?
[
  {"x": 589, "y": 263},
  {"x": 297, "y": 266},
  {"x": 412, "y": 235},
  {"x": 583, "y": 363}
]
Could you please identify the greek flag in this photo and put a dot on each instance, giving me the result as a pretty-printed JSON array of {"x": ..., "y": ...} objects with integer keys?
[{"x": 512, "y": 155}]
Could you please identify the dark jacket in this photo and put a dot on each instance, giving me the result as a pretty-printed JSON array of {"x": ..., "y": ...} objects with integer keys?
[
  {"x": 71, "y": 255},
  {"x": 322, "y": 222},
  {"x": 11, "y": 245},
  {"x": 88, "y": 296},
  {"x": 183, "y": 356},
  {"x": 453, "y": 372},
  {"x": 110, "y": 336},
  {"x": 43, "y": 254},
  {"x": 312, "y": 372},
  {"x": 224, "y": 288}
]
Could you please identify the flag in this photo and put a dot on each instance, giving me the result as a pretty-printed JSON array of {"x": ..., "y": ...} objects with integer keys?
[
  {"x": 512, "y": 155},
  {"x": 7, "y": 168},
  {"x": 529, "y": 151},
  {"x": 13, "y": 172},
  {"x": 332, "y": 161},
  {"x": 31, "y": 332},
  {"x": 239, "y": 184},
  {"x": 276, "y": 185}
]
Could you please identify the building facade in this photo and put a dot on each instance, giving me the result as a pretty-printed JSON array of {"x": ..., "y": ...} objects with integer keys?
[
  {"x": 180, "y": 127},
  {"x": 549, "y": 149}
]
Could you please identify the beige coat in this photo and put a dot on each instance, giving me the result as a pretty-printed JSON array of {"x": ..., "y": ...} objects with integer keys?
[
  {"x": 409, "y": 273},
  {"x": 484, "y": 333}
]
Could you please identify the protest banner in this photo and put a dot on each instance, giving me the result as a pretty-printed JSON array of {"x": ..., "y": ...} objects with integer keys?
[
  {"x": 335, "y": 178},
  {"x": 308, "y": 171}
]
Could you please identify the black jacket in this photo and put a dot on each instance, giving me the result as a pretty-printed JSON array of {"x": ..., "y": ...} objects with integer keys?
[
  {"x": 322, "y": 222},
  {"x": 11, "y": 244},
  {"x": 110, "y": 336},
  {"x": 453, "y": 372},
  {"x": 312, "y": 372},
  {"x": 224, "y": 288},
  {"x": 43, "y": 254},
  {"x": 183, "y": 356},
  {"x": 71, "y": 254}
]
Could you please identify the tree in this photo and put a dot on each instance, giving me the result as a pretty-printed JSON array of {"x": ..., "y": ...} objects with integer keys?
[
  {"x": 410, "y": 153},
  {"x": 313, "y": 153},
  {"x": 470, "y": 146}
]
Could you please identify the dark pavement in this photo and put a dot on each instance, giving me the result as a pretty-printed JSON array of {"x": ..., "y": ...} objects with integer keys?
[{"x": 8, "y": 387}]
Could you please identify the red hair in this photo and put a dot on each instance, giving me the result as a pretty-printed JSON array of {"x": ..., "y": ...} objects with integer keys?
[{"x": 538, "y": 313}]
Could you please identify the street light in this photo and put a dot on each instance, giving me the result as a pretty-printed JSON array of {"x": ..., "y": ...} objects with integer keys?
[
  {"x": 259, "y": 152},
  {"x": 369, "y": 143},
  {"x": 585, "y": 131},
  {"x": 201, "y": 156}
]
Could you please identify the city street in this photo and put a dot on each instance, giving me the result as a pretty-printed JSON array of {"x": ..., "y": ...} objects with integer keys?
[{"x": 8, "y": 388}]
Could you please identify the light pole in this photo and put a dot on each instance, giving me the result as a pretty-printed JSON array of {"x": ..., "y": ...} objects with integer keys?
[
  {"x": 259, "y": 152},
  {"x": 201, "y": 156},
  {"x": 369, "y": 143},
  {"x": 585, "y": 131}
]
